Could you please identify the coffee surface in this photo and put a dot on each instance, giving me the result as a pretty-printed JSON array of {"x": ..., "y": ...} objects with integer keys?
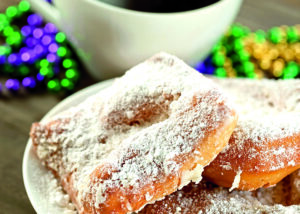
[{"x": 160, "y": 6}]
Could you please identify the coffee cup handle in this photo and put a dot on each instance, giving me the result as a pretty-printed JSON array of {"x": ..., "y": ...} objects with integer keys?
[{"x": 48, "y": 11}]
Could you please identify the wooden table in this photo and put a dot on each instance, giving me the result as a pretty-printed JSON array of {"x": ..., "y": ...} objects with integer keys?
[{"x": 17, "y": 114}]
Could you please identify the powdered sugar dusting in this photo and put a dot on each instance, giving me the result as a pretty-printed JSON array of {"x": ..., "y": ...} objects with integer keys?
[
  {"x": 236, "y": 181},
  {"x": 141, "y": 129},
  {"x": 269, "y": 110},
  {"x": 206, "y": 198}
]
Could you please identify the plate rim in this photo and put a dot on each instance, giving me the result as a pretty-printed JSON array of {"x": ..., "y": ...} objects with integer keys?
[{"x": 67, "y": 102}]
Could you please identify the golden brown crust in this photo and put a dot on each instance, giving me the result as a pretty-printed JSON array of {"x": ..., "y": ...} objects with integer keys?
[{"x": 255, "y": 172}]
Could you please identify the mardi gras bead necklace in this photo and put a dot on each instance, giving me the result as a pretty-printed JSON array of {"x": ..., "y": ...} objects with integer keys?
[
  {"x": 260, "y": 54},
  {"x": 35, "y": 55}
]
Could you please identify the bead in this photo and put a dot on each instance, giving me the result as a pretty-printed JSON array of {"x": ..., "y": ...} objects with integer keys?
[
  {"x": 260, "y": 36},
  {"x": 273, "y": 53},
  {"x": 24, "y": 6},
  {"x": 53, "y": 48},
  {"x": 216, "y": 47},
  {"x": 25, "y": 57},
  {"x": 251, "y": 75},
  {"x": 5, "y": 50},
  {"x": 259, "y": 74},
  {"x": 46, "y": 72},
  {"x": 29, "y": 82},
  {"x": 199, "y": 67},
  {"x": 38, "y": 33},
  {"x": 31, "y": 42},
  {"x": 218, "y": 59},
  {"x": 265, "y": 64},
  {"x": 288, "y": 55},
  {"x": 210, "y": 69},
  {"x": 60, "y": 37},
  {"x": 65, "y": 83},
  {"x": 34, "y": 20},
  {"x": 12, "y": 85},
  {"x": 220, "y": 72},
  {"x": 291, "y": 70},
  {"x": 68, "y": 63},
  {"x": 275, "y": 35},
  {"x": 14, "y": 59},
  {"x": 53, "y": 85},
  {"x": 74, "y": 74},
  {"x": 277, "y": 67},
  {"x": 231, "y": 72},
  {"x": 62, "y": 51},
  {"x": 238, "y": 44},
  {"x": 248, "y": 67},
  {"x": 3, "y": 18},
  {"x": 237, "y": 31},
  {"x": 44, "y": 63},
  {"x": 40, "y": 77},
  {"x": 11, "y": 12},
  {"x": 292, "y": 35},
  {"x": 39, "y": 50},
  {"x": 26, "y": 30},
  {"x": 228, "y": 63},
  {"x": 51, "y": 57},
  {"x": 46, "y": 40},
  {"x": 7, "y": 31},
  {"x": 243, "y": 55},
  {"x": 14, "y": 39},
  {"x": 50, "y": 28}
]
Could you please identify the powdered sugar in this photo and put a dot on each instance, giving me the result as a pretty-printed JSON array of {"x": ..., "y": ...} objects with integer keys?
[
  {"x": 236, "y": 181},
  {"x": 141, "y": 130},
  {"x": 269, "y": 110},
  {"x": 205, "y": 198}
]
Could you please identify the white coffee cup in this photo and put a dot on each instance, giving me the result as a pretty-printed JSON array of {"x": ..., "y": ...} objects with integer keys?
[{"x": 110, "y": 39}]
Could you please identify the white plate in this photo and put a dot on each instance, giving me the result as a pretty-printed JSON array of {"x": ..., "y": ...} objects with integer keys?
[{"x": 34, "y": 174}]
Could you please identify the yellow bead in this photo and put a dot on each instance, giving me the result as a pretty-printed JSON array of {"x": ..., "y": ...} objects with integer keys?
[
  {"x": 259, "y": 50},
  {"x": 277, "y": 67},
  {"x": 296, "y": 47},
  {"x": 288, "y": 55},
  {"x": 265, "y": 64},
  {"x": 231, "y": 72},
  {"x": 259, "y": 74},
  {"x": 228, "y": 63},
  {"x": 281, "y": 47},
  {"x": 273, "y": 53},
  {"x": 249, "y": 48}
]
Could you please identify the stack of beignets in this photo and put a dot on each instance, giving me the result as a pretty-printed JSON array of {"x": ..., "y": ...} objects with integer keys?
[
  {"x": 155, "y": 129},
  {"x": 265, "y": 145}
]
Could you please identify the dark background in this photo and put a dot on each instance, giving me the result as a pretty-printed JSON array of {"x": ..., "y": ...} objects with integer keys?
[{"x": 17, "y": 114}]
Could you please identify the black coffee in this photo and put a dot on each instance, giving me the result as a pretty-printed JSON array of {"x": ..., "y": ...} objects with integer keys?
[{"x": 160, "y": 6}]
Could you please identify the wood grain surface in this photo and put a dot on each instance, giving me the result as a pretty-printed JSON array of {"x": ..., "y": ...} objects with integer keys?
[{"x": 17, "y": 114}]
